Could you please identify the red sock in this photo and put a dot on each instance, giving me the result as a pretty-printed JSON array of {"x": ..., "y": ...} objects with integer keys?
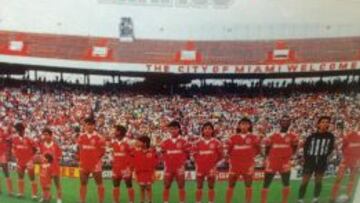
[
  {"x": 21, "y": 186},
  {"x": 9, "y": 186},
  {"x": 131, "y": 194},
  {"x": 182, "y": 195},
  {"x": 46, "y": 193},
  {"x": 34, "y": 188},
  {"x": 83, "y": 191},
  {"x": 166, "y": 195},
  {"x": 149, "y": 192},
  {"x": 198, "y": 195},
  {"x": 116, "y": 195},
  {"x": 264, "y": 194},
  {"x": 248, "y": 194},
  {"x": 350, "y": 188},
  {"x": 59, "y": 192},
  {"x": 101, "y": 192},
  {"x": 142, "y": 195},
  {"x": 229, "y": 195},
  {"x": 335, "y": 191},
  {"x": 285, "y": 194},
  {"x": 211, "y": 195}
]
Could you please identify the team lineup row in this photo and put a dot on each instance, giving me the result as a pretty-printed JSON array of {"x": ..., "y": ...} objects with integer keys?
[{"x": 141, "y": 159}]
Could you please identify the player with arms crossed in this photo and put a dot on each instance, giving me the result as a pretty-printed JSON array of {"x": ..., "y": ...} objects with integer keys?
[
  {"x": 207, "y": 153},
  {"x": 243, "y": 147},
  {"x": 175, "y": 151},
  {"x": 280, "y": 147},
  {"x": 91, "y": 148},
  {"x": 351, "y": 161}
]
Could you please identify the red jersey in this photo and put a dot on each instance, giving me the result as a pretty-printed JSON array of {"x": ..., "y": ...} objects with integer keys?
[
  {"x": 243, "y": 149},
  {"x": 351, "y": 146},
  {"x": 91, "y": 150},
  {"x": 207, "y": 153},
  {"x": 23, "y": 149},
  {"x": 4, "y": 142},
  {"x": 175, "y": 152},
  {"x": 145, "y": 160},
  {"x": 122, "y": 155},
  {"x": 281, "y": 145},
  {"x": 54, "y": 150}
]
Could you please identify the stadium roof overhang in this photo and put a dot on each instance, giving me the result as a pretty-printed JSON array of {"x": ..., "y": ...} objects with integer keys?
[{"x": 12, "y": 68}]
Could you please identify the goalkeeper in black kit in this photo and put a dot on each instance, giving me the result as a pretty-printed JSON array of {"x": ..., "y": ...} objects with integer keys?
[{"x": 317, "y": 149}]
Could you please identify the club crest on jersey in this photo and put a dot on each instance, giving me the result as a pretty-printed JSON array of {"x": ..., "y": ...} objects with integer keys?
[
  {"x": 178, "y": 145},
  {"x": 122, "y": 147},
  {"x": 93, "y": 142},
  {"x": 248, "y": 141},
  {"x": 148, "y": 155},
  {"x": 212, "y": 146}
]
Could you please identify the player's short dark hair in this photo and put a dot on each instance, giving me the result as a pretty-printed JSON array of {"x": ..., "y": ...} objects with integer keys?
[
  {"x": 324, "y": 118},
  {"x": 49, "y": 158},
  {"x": 47, "y": 130},
  {"x": 90, "y": 120},
  {"x": 175, "y": 124},
  {"x": 146, "y": 140},
  {"x": 207, "y": 124},
  {"x": 246, "y": 120},
  {"x": 19, "y": 127},
  {"x": 121, "y": 129}
]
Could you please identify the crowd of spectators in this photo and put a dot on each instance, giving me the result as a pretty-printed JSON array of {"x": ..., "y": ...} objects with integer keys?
[{"x": 62, "y": 107}]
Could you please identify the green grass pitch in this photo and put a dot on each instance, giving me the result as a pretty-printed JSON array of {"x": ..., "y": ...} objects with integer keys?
[{"x": 71, "y": 188}]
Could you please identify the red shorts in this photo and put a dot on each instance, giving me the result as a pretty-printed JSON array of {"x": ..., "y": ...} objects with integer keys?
[
  {"x": 349, "y": 164},
  {"x": 120, "y": 173},
  {"x": 246, "y": 169},
  {"x": 145, "y": 178},
  {"x": 3, "y": 159},
  {"x": 180, "y": 172},
  {"x": 277, "y": 165},
  {"x": 23, "y": 166},
  {"x": 91, "y": 169},
  {"x": 55, "y": 170},
  {"x": 206, "y": 172}
]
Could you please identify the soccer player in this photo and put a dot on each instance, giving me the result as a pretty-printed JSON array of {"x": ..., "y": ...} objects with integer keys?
[
  {"x": 145, "y": 161},
  {"x": 351, "y": 161},
  {"x": 45, "y": 176},
  {"x": 24, "y": 150},
  {"x": 122, "y": 164},
  {"x": 280, "y": 147},
  {"x": 207, "y": 152},
  {"x": 175, "y": 152},
  {"x": 5, "y": 143},
  {"x": 317, "y": 148},
  {"x": 242, "y": 150},
  {"x": 91, "y": 148},
  {"x": 49, "y": 146}
]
